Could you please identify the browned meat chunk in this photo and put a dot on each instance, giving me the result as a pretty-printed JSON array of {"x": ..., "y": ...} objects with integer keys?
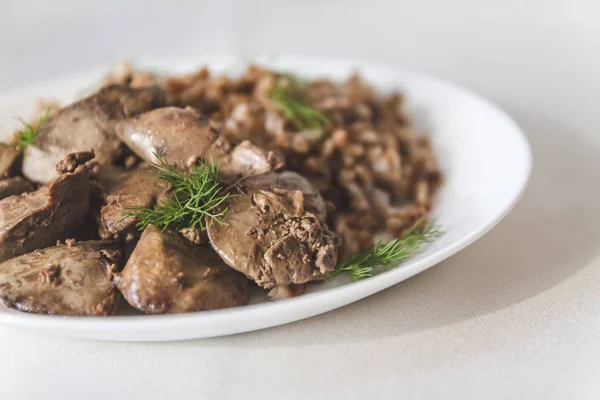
[
  {"x": 180, "y": 135},
  {"x": 123, "y": 189},
  {"x": 274, "y": 232},
  {"x": 183, "y": 137},
  {"x": 38, "y": 219},
  {"x": 61, "y": 280},
  {"x": 291, "y": 181},
  {"x": 8, "y": 155},
  {"x": 86, "y": 125},
  {"x": 165, "y": 274},
  {"x": 14, "y": 186},
  {"x": 246, "y": 159}
]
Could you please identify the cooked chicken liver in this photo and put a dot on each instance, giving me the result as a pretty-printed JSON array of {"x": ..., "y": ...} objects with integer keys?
[
  {"x": 14, "y": 186},
  {"x": 290, "y": 181},
  {"x": 61, "y": 280},
  {"x": 274, "y": 232},
  {"x": 165, "y": 274},
  {"x": 8, "y": 155},
  {"x": 182, "y": 137},
  {"x": 86, "y": 125},
  {"x": 246, "y": 159},
  {"x": 123, "y": 189},
  {"x": 38, "y": 219}
]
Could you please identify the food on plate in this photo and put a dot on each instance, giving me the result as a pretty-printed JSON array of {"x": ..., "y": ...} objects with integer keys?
[
  {"x": 65, "y": 279},
  {"x": 15, "y": 185},
  {"x": 274, "y": 231},
  {"x": 183, "y": 137},
  {"x": 195, "y": 194},
  {"x": 362, "y": 265},
  {"x": 38, "y": 219},
  {"x": 183, "y": 192},
  {"x": 8, "y": 156},
  {"x": 121, "y": 189},
  {"x": 85, "y": 125},
  {"x": 168, "y": 274}
]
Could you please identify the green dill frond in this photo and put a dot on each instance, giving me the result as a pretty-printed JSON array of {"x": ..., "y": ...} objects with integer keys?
[
  {"x": 288, "y": 94},
  {"x": 25, "y": 136},
  {"x": 196, "y": 194},
  {"x": 362, "y": 265}
]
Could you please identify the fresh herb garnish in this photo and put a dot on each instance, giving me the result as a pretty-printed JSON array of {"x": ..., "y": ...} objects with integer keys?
[
  {"x": 25, "y": 136},
  {"x": 196, "y": 194},
  {"x": 288, "y": 93},
  {"x": 361, "y": 265}
]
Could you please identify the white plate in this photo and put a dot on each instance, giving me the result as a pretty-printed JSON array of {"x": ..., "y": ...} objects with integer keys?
[{"x": 484, "y": 156}]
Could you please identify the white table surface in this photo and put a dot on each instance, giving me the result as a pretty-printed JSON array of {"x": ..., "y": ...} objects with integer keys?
[{"x": 516, "y": 315}]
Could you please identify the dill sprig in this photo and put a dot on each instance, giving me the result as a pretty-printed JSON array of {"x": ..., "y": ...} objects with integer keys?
[
  {"x": 288, "y": 94},
  {"x": 25, "y": 136},
  {"x": 362, "y": 265},
  {"x": 196, "y": 195}
]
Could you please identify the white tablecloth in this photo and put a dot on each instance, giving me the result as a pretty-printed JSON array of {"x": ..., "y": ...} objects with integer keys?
[{"x": 516, "y": 315}]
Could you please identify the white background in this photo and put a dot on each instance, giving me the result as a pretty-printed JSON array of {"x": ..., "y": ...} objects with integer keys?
[{"x": 516, "y": 315}]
